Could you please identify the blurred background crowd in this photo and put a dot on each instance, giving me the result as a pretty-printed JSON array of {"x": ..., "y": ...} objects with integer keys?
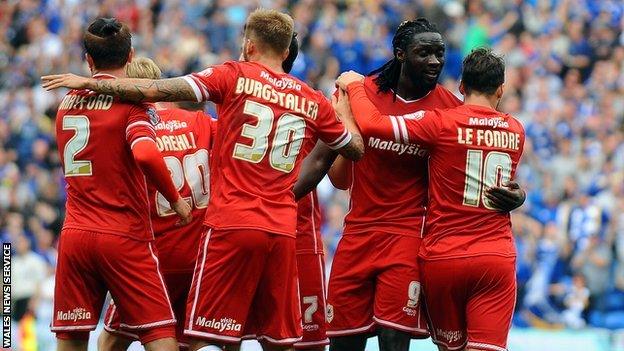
[{"x": 565, "y": 79}]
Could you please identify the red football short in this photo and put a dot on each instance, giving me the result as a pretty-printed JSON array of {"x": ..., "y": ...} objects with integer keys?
[
  {"x": 178, "y": 285},
  {"x": 375, "y": 280},
  {"x": 89, "y": 265},
  {"x": 311, "y": 270},
  {"x": 470, "y": 301},
  {"x": 176, "y": 253},
  {"x": 245, "y": 282}
]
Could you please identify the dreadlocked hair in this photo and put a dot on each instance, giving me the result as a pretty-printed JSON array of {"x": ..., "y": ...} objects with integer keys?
[{"x": 388, "y": 74}]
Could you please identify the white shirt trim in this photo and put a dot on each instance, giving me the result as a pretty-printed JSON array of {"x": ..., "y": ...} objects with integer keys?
[{"x": 196, "y": 88}]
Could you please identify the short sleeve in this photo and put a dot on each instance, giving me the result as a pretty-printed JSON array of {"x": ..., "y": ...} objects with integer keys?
[
  {"x": 329, "y": 128},
  {"x": 141, "y": 122},
  {"x": 419, "y": 127},
  {"x": 213, "y": 83}
]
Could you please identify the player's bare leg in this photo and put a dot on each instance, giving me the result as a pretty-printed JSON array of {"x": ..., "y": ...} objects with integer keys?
[
  {"x": 112, "y": 342},
  {"x": 71, "y": 345},
  {"x": 348, "y": 343},
  {"x": 164, "y": 344},
  {"x": 201, "y": 345},
  {"x": 393, "y": 340}
]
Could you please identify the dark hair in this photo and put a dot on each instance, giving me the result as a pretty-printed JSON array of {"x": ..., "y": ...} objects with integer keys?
[
  {"x": 293, "y": 51},
  {"x": 483, "y": 71},
  {"x": 108, "y": 42},
  {"x": 388, "y": 74}
]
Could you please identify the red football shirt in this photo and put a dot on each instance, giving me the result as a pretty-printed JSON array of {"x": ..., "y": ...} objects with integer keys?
[
  {"x": 184, "y": 138},
  {"x": 389, "y": 186},
  {"x": 265, "y": 117},
  {"x": 471, "y": 148},
  {"x": 106, "y": 190}
]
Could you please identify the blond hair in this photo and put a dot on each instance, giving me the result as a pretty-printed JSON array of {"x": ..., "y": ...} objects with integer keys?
[
  {"x": 143, "y": 67},
  {"x": 271, "y": 29}
]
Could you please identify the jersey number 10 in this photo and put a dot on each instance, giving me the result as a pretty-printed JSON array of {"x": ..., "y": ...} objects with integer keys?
[{"x": 482, "y": 175}]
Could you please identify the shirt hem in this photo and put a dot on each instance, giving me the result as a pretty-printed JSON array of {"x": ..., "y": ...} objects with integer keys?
[
  {"x": 373, "y": 230},
  {"x": 309, "y": 252},
  {"x": 111, "y": 232},
  {"x": 467, "y": 255},
  {"x": 254, "y": 227}
]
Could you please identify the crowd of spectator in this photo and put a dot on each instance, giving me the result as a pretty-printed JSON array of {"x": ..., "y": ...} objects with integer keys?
[{"x": 564, "y": 80}]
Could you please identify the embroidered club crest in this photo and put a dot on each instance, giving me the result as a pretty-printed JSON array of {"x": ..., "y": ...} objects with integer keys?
[{"x": 153, "y": 116}]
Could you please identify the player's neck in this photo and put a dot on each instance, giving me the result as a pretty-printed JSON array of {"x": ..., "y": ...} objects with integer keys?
[
  {"x": 407, "y": 90},
  {"x": 274, "y": 63},
  {"x": 481, "y": 100},
  {"x": 118, "y": 73}
]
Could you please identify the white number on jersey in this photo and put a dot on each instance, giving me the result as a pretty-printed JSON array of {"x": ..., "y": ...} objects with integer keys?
[
  {"x": 77, "y": 143},
  {"x": 493, "y": 172},
  {"x": 287, "y": 142},
  {"x": 413, "y": 294},
  {"x": 310, "y": 310},
  {"x": 193, "y": 169}
]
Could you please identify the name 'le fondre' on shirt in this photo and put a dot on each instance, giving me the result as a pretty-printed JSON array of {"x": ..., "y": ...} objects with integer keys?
[
  {"x": 489, "y": 132},
  {"x": 268, "y": 93}
]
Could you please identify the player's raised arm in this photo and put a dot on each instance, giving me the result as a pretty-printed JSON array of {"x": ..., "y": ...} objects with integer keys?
[
  {"x": 354, "y": 149},
  {"x": 140, "y": 136},
  {"x": 313, "y": 169},
  {"x": 408, "y": 129},
  {"x": 340, "y": 171},
  {"x": 137, "y": 90}
]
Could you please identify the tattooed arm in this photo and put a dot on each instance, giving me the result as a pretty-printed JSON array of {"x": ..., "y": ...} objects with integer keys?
[{"x": 137, "y": 90}]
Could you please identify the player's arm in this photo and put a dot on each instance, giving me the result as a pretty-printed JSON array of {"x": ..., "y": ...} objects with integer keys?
[
  {"x": 140, "y": 136},
  {"x": 373, "y": 123},
  {"x": 313, "y": 169},
  {"x": 340, "y": 174},
  {"x": 131, "y": 89},
  {"x": 354, "y": 149},
  {"x": 150, "y": 161}
]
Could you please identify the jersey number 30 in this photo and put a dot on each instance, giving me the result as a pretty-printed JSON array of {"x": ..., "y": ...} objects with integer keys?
[
  {"x": 289, "y": 136},
  {"x": 482, "y": 175}
]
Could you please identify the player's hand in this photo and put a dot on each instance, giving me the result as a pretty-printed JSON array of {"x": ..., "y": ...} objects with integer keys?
[
  {"x": 66, "y": 80},
  {"x": 507, "y": 197},
  {"x": 347, "y": 78},
  {"x": 341, "y": 105},
  {"x": 183, "y": 210}
]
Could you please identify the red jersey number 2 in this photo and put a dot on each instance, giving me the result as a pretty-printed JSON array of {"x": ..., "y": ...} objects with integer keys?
[{"x": 80, "y": 125}]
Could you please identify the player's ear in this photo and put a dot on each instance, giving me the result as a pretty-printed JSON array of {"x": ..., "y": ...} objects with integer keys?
[
  {"x": 399, "y": 54},
  {"x": 500, "y": 91},
  {"x": 131, "y": 55},
  {"x": 247, "y": 48},
  {"x": 90, "y": 62}
]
